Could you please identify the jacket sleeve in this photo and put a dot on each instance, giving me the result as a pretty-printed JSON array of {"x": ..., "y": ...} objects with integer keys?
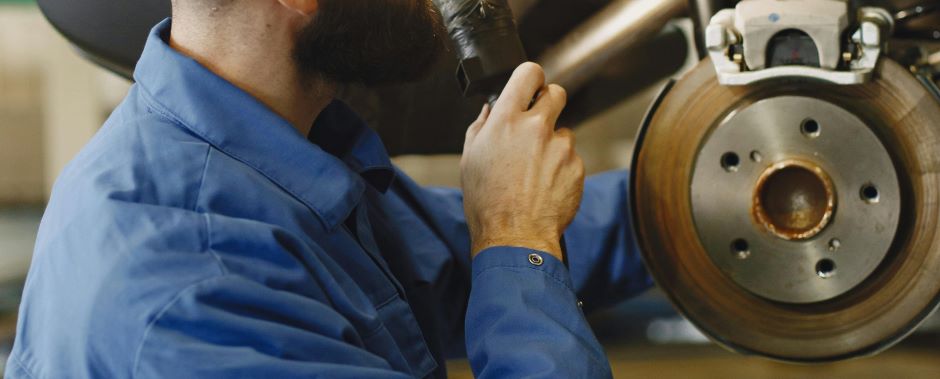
[
  {"x": 230, "y": 327},
  {"x": 604, "y": 260},
  {"x": 524, "y": 320}
]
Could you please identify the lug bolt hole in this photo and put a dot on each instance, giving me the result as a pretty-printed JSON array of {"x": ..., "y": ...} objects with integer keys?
[
  {"x": 741, "y": 249},
  {"x": 870, "y": 194},
  {"x": 826, "y": 268},
  {"x": 730, "y": 162},
  {"x": 810, "y": 128}
]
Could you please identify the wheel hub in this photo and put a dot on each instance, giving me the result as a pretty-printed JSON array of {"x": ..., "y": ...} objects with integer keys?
[
  {"x": 790, "y": 218},
  {"x": 785, "y": 220}
]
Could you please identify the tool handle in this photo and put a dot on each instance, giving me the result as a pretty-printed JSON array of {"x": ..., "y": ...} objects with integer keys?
[{"x": 486, "y": 42}]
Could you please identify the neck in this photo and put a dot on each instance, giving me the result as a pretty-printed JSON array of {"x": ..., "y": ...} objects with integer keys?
[{"x": 257, "y": 58}]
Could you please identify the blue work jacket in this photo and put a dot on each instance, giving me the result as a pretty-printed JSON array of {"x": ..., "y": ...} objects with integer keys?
[{"x": 199, "y": 235}]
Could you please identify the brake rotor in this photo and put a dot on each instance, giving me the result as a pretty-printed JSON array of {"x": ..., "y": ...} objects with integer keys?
[{"x": 793, "y": 219}]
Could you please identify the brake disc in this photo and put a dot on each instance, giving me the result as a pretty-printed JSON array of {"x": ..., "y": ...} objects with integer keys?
[{"x": 791, "y": 218}]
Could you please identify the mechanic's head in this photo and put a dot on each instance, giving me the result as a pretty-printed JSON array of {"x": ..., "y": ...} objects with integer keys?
[{"x": 372, "y": 42}]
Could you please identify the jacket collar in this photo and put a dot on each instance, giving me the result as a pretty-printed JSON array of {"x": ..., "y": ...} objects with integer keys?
[
  {"x": 342, "y": 133},
  {"x": 326, "y": 175}
]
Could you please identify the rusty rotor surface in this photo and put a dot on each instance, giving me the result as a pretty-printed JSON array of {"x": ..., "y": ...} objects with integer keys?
[
  {"x": 795, "y": 199},
  {"x": 869, "y": 317}
]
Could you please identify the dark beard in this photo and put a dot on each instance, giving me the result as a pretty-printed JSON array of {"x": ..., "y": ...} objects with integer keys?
[{"x": 370, "y": 42}]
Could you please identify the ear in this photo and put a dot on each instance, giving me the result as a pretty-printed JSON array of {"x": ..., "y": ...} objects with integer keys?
[{"x": 304, "y": 7}]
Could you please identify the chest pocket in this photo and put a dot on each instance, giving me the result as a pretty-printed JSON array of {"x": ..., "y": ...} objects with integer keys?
[{"x": 399, "y": 339}]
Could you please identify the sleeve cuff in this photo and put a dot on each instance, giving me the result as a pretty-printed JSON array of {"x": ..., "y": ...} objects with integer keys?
[{"x": 518, "y": 258}]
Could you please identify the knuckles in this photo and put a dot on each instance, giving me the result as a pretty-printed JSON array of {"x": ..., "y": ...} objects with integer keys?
[
  {"x": 560, "y": 93},
  {"x": 579, "y": 166},
  {"x": 532, "y": 70},
  {"x": 542, "y": 121},
  {"x": 567, "y": 136}
]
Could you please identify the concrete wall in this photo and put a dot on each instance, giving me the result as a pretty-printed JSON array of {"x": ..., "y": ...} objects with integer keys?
[
  {"x": 51, "y": 103},
  {"x": 22, "y": 37}
]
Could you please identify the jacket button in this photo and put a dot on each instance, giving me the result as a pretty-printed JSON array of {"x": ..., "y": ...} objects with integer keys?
[{"x": 536, "y": 259}]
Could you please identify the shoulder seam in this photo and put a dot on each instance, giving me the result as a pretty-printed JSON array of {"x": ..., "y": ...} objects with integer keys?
[
  {"x": 202, "y": 180},
  {"x": 155, "y": 105},
  {"x": 157, "y": 108},
  {"x": 208, "y": 224}
]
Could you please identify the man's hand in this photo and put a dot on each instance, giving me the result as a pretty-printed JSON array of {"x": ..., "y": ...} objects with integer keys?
[{"x": 522, "y": 179}]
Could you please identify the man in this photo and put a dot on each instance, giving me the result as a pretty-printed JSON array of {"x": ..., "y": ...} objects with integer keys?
[{"x": 231, "y": 220}]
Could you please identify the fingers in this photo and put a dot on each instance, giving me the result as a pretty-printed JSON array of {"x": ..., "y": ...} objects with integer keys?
[
  {"x": 569, "y": 153},
  {"x": 525, "y": 82},
  {"x": 476, "y": 126},
  {"x": 551, "y": 103},
  {"x": 565, "y": 139},
  {"x": 567, "y": 135}
]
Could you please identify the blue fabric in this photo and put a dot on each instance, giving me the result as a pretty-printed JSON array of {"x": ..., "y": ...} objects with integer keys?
[{"x": 199, "y": 235}]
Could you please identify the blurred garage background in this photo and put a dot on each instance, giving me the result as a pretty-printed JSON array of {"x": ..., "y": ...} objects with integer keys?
[{"x": 52, "y": 102}]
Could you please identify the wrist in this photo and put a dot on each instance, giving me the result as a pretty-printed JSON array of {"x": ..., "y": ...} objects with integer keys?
[{"x": 550, "y": 245}]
